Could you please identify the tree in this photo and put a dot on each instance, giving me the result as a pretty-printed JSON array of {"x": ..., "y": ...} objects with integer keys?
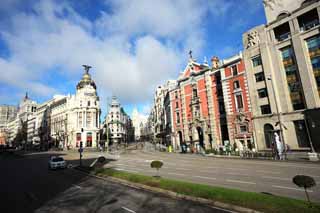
[
  {"x": 157, "y": 165},
  {"x": 305, "y": 182}
]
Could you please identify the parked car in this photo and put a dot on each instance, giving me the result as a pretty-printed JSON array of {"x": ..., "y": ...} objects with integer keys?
[{"x": 56, "y": 162}]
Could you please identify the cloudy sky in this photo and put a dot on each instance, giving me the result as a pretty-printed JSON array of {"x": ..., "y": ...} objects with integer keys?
[{"x": 132, "y": 45}]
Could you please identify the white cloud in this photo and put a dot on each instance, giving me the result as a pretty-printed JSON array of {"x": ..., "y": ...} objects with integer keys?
[{"x": 133, "y": 48}]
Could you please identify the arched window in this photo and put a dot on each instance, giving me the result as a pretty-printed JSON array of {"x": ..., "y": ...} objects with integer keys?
[
  {"x": 282, "y": 15},
  {"x": 268, "y": 131}
]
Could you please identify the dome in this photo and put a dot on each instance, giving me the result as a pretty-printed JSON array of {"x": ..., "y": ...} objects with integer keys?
[{"x": 86, "y": 79}]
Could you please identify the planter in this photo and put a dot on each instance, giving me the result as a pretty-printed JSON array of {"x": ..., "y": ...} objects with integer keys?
[{"x": 313, "y": 156}]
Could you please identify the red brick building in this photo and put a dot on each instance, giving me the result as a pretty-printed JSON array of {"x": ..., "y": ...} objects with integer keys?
[
  {"x": 210, "y": 105},
  {"x": 237, "y": 102},
  {"x": 197, "y": 106}
]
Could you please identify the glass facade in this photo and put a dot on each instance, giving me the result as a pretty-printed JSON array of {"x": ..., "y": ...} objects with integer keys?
[
  {"x": 293, "y": 79},
  {"x": 314, "y": 54}
]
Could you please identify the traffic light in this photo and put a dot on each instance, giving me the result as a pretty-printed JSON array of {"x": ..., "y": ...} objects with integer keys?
[{"x": 81, "y": 144}]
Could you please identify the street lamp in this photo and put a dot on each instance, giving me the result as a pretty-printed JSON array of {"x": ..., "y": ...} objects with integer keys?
[{"x": 278, "y": 115}]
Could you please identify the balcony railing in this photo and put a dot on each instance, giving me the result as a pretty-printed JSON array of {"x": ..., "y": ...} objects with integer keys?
[
  {"x": 283, "y": 36},
  {"x": 309, "y": 25}
]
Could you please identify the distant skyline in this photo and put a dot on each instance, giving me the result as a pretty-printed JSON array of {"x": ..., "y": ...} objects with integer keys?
[{"x": 132, "y": 45}]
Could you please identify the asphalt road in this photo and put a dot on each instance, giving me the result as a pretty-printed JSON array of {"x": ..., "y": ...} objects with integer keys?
[
  {"x": 26, "y": 185},
  {"x": 271, "y": 177}
]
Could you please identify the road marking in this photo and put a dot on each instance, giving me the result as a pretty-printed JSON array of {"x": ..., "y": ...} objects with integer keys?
[
  {"x": 230, "y": 173},
  {"x": 171, "y": 173},
  {"x": 268, "y": 172},
  {"x": 183, "y": 169},
  {"x": 238, "y": 181},
  {"x": 236, "y": 169},
  {"x": 129, "y": 210},
  {"x": 291, "y": 188},
  {"x": 78, "y": 187},
  {"x": 276, "y": 178},
  {"x": 203, "y": 177}
]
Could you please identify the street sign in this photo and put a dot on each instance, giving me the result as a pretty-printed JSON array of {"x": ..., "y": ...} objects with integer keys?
[{"x": 80, "y": 150}]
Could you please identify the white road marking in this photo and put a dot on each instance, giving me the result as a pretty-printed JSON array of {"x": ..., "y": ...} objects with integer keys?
[
  {"x": 291, "y": 188},
  {"x": 119, "y": 164},
  {"x": 129, "y": 210},
  {"x": 238, "y": 181},
  {"x": 262, "y": 171},
  {"x": 276, "y": 178},
  {"x": 183, "y": 169},
  {"x": 171, "y": 173},
  {"x": 78, "y": 187},
  {"x": 236, "y": 169},
  {"x": 203, "y": 177},
  {"x": 230, "y": 173}
]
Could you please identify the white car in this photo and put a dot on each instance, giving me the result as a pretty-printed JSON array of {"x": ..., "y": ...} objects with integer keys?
[{"x": 56, "y": 162}]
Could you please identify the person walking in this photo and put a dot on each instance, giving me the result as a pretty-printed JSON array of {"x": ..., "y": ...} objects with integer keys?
[{"x": 279, "y": 146}]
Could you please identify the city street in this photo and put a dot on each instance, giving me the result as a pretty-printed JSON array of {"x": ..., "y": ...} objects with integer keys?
[
  {"x": 271, "y": 177},
  {"x": 28, "y": 186}
]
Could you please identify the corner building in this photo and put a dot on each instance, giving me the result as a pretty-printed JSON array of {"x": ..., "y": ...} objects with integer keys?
[{"x": 282, "y": 59}]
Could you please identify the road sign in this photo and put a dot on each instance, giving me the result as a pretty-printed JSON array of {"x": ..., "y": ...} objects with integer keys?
[{"x": 80, "y": 150}]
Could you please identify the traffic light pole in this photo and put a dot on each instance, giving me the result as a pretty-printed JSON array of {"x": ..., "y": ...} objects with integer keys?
[{"x": 80, "y": 152}]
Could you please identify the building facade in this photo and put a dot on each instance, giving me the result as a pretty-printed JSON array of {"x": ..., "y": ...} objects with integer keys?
[
  {"x": 282, "y": 59},
  {"x": 237, "y": 102},
  {"x": 63, "y": 121},
  {"x": 118, "y": 123}
]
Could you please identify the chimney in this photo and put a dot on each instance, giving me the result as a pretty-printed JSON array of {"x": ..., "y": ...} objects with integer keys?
[{"x": 215, "y": 62}]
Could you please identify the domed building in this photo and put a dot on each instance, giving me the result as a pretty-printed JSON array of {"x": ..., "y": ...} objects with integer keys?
[{"x": 84, "y": 113}]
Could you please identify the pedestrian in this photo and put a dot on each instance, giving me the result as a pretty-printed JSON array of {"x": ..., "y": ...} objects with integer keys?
[{"x": 279, "y": 146}]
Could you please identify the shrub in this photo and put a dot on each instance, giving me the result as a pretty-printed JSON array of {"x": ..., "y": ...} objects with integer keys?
[
  {"x": 305, "y": 182},
  {"x": 157, "y": 165}
]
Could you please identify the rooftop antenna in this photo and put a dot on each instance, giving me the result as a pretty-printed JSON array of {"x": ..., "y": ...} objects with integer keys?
[{"x": 190, "y": 54}]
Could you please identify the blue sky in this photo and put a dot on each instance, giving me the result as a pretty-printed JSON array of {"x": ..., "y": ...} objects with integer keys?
[{"x": 132, "y": 45}]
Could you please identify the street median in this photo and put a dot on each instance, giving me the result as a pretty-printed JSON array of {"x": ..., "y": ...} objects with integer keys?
[{"x": 221, "y": 197}]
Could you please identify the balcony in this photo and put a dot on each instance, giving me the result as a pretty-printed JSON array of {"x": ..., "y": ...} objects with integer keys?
[
  {"x": 282, "y": 32},
  {"x": 308, "y": 20}
]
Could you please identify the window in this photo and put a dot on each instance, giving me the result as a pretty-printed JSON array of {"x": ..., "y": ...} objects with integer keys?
[
  {"x": 81, "y": 103},
  {"x": 293, "y": 78},
  {"x": 259, "y": 76},
  {"x": 236, "y": 85},
  {"x": 243, "y": 128},
  {"x": 88, "y": 103},
  {"x": 177, "y": 105},
  {"x": 195, "y": 93},
  {"x": 89, "y": 139},
  {"x": 256, "y": 61},
  {"x": 282, "y": 32},
  {"x": 239, "y": 103},
  {"x": 265, "y": 109},
  {"x": 178, "y": 117},
  {"x": 308, "y": 20},
  {"x": 176, "y": 94},
  {"x": 234, "y": 70},
  {"x": 268, "y": 134},
  {"x": 314, "y": 54},
  {"x": 301, "y": 133},
  {"x": 89, "y": 119},
  {"x": 80, "y": 119},
  {"x": 263, "y": 93}
]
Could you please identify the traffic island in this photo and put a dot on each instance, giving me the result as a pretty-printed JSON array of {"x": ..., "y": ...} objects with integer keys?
[{"x": 232, "y": 199}]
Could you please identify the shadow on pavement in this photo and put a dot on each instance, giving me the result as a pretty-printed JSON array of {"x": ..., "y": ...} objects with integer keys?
[{"x": 26, "y": 183}]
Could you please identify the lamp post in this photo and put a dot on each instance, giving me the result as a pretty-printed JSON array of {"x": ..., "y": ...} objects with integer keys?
[{"x": 278, "y": 116}]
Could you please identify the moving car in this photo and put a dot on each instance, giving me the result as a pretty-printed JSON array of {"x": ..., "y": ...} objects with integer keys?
[{"x": 56, "y": 162}]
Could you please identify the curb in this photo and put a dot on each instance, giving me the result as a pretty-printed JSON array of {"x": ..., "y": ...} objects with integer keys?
[{"x": 213, "y": 204}]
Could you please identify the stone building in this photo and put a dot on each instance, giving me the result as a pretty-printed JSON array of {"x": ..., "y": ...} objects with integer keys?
[
  {"x": 119, "y": 123},
  {"x": 7, "y": 113},
  {"x": 282, "y": 59},
  {"x": 63, "y": 121}
]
